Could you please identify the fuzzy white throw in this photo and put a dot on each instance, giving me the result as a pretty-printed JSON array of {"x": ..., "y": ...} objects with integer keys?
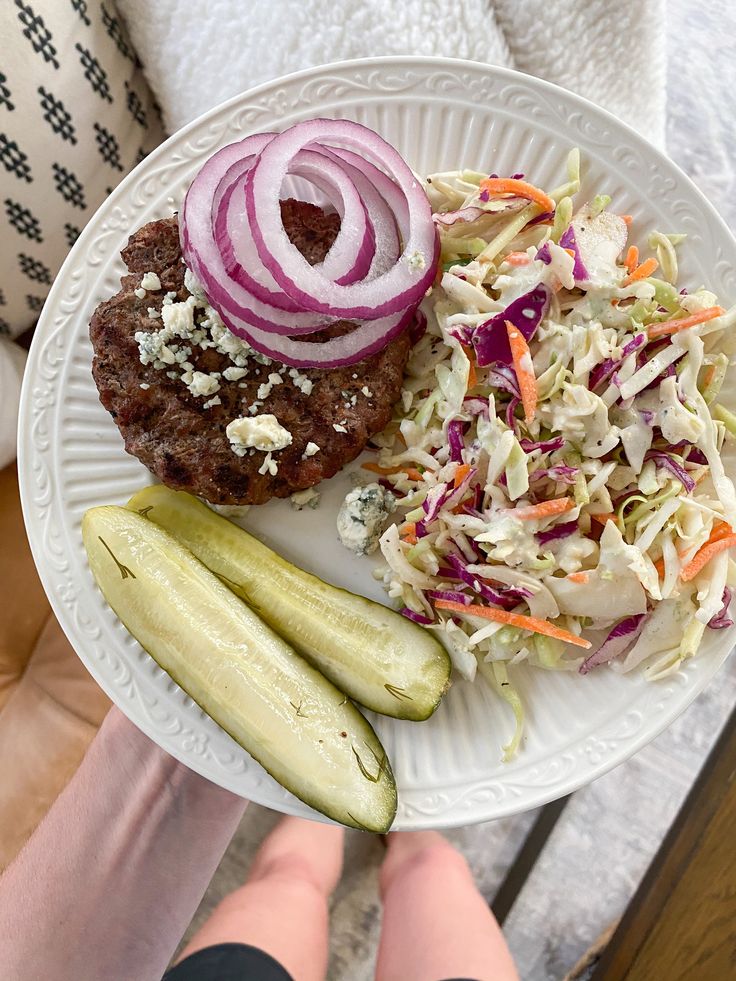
[{"x": 196, "y": 55}]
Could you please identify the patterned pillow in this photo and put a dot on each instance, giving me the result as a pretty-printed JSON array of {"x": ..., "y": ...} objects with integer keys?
[{"x": 75, "y": 116}]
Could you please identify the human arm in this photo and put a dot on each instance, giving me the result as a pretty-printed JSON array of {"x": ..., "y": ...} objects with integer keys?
[{"x": 109, "y": 881}]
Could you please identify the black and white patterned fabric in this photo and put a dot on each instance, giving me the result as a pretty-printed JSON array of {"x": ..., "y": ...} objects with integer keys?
[{"x": 76, "y": 115}]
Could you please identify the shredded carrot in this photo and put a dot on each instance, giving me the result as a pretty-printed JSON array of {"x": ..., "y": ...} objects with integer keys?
[
  {"x": 721, "y": 531},
  {"x": 704, "y": 555},
  {"x": 581, "y": 577},
  {"x": 408, "y": 532},
  {"x": 673, "y": 326},
  {"x": 570, "y": 252},
  {"x": 384, "y": 471},
  {"x": 524, "y": 370},
  {"x": 472, "y": 374},
  {"x": 627, "y": 219},
  {"x": 641, "y": 272},
  {"x": 632, "y": 258},
  {"x": 517, "y": 259},
  {"x": 514, "y": 620},
  {"x": 411, "y": 472},
  {"x": 615, "y": 301},
  {"x": 602, "y": 518},
  {"x": 708, "y": 376},
  {"x": 547, "y": 509},
  {"x": 522, "y": 189},
  {"x": 461, "y": 473}
]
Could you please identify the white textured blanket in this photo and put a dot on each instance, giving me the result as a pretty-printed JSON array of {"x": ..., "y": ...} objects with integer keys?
[{"x": 196, "y": 55}]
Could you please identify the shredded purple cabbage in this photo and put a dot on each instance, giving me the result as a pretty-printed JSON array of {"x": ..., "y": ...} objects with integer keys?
[
  {"x": 462, "y": 333},
  {"x": 504, "y": 377},
  {"x": 418, "y": 326},
  {"x": 432, "y": 504},
  {"x": 416, "y": 617},
  {"x": 490, "y": 339},
  {"x": 450, "y": 595},
  {"x": 667, "y": 462},
  {"x": 543, "y": 254},
  {"x": 639, "y": 340},
  {"x": 561, "y": 472},
  {"x": 510, "y": 409},
  {"x": 697, "y": 456},
  {"x": 568, "y": 241},
  {"x": 455, "y": 433},
  {"x": 545, "y": 216},
  {"x": 558, "y": 531},
  {"x": 420, "y": 529},
  {"x": 722, "y": 619},
  {"x": 476, "y": 406},
  {"x": 462, "y": 214},
  {"x": 545, "y": 445},
  {"x": 647, "y": 416},
  {"x": 618, "y": 641},
  {"x": 606, "y": 368},
  {"x": 504, "y": 597}
]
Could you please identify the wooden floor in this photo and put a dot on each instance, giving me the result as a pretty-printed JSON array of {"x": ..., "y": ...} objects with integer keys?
[{"x": 681, "y": 924}]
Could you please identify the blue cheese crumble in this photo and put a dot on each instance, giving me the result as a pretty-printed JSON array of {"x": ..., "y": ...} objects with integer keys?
[
  {"x": 150, "y": 281},
  {"x": 363, "y": 516},
  {"x": 262, "y": 432}
]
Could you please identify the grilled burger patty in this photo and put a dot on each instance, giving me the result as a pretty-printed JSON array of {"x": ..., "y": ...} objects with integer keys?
[{"x": 185, "y": 444}]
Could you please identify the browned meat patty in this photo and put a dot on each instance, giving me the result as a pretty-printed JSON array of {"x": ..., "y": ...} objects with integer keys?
[{"x": 184, "y": 444}]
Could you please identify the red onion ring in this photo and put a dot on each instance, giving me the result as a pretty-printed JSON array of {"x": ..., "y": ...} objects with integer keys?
[
  {"x": 403, "y": 284},
  {"x": 349, "y": 258},
  {"x": 365, "y": 272}
]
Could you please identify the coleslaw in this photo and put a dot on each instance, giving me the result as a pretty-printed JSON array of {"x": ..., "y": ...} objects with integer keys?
[{"x": 556, "y": 460}]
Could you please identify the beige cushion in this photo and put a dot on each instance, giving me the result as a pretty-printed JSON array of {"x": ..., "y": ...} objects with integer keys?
[{"x": 75, "y": 116}]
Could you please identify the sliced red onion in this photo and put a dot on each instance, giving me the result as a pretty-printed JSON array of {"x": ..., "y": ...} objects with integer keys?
[
  {"x": 261, "y": 311},
  {"x": 416, "y": 617},
  {"x": 545, "y": 445},
  {"x": 557, "y": 532},
  {"x": 722, "y": 619},
  {"x": 351, "y": 254},
  {"x": 568, "y": 241},
  {"x": 366, "y": 339},
  {"x": 455, "y": 433},
  {"x": 618, "y": 641},
  {"x": 382, "y": 200},
  {"x": 404, "y": 284},
  {"x": 490, "y": 339},
  {"x": 666, "y": 462}
]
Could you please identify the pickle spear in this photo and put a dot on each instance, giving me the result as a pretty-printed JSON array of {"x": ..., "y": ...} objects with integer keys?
[
  {"x": 305, "y": 732},
  {"x": 378, "y": 657}
]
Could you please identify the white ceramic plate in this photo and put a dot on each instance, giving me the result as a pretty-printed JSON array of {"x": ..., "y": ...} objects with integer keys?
[{"x": 440, "y": 114}]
